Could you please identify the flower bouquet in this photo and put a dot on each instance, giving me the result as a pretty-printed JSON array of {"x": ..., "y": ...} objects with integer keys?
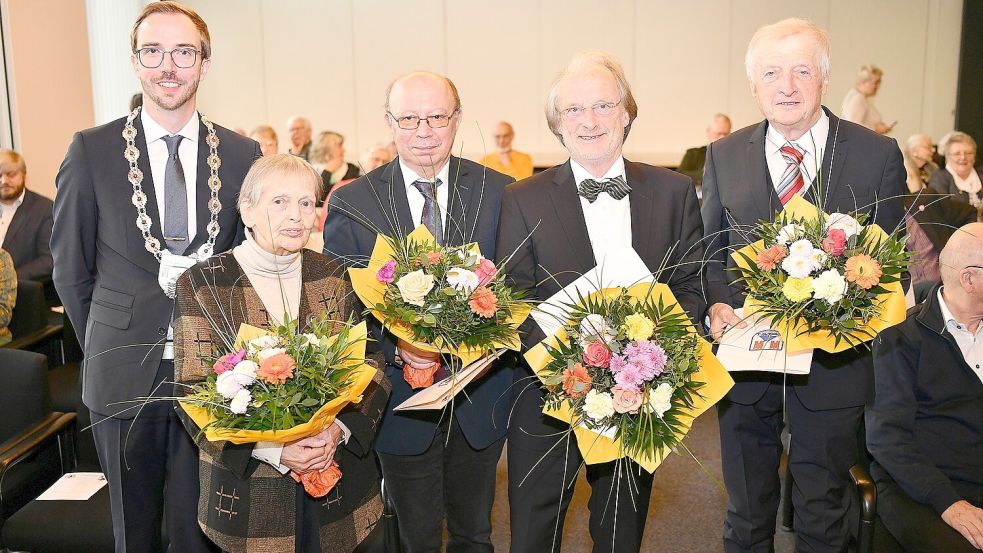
[
  {"x": 629, "y": 373},
  {"x": 446, "y": 299},
  {"x": 281, "y": 386},
  {"x": 824, "y": 281}
]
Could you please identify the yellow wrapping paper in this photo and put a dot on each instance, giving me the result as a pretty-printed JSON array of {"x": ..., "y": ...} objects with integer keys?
[
  {"x": 371, "y": 292},
  {"x": 361, "y": 377},
  {"x": 891, "y": 304},
  {"x": 596, "y": 448}
]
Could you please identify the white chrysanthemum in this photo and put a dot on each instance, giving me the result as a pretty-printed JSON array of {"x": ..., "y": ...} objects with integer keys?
[
  {"x": 818, "y": 258},
  {"x": 229, "y": 383},
  {"x": 240, "y": 401},
  {"x": 844, "y": 222},
  {"x": 462, "y": 280},
  {"x": 660, "y": 399},
  {"x": 598, "y": 405},
  {"x": 267, "y": 353},
  {"x": 788, "y": 233},
  {"x": 247, "y": 371},
  {"x": 801, "y": 248},
  {"x": 797, "y": 266},
  {"x": 830, "y": 286}
]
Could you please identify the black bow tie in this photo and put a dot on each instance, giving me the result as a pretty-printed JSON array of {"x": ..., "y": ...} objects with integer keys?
[{"x": 616, "y": 187}]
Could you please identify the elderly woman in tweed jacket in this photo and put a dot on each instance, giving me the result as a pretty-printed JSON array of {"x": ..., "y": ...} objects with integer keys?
[{"x": 247, "y": 502}]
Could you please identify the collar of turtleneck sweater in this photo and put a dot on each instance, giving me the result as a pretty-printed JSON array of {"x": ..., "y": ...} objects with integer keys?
[{"x": 276, "y": 278}]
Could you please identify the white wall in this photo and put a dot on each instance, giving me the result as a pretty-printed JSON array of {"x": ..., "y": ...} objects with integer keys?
[{"x": 331, "y": 60}]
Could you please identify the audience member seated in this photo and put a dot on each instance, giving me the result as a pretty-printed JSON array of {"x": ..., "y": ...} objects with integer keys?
[
  {"x": 300, "y": 130},
  {"x": 8, "y": 295},
  {"x": 25, "y": 220},
  {"x": 376, "y": 156},
  {"x": 925, "y": 427},
  {"x": 266, "y": 136},
  {"x": 930, "y": 219},
  {"x": 960, "y": 176},
  {"x": 857, "y": 106},
  {"x": 328, "y": 155},
  {"x": 919, "y": 150},
  {"x": 506, "y": 160},
  {"x": 694, "y": 158}
]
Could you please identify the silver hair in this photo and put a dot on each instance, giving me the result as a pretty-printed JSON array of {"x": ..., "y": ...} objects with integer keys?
[
  {"x": 785, "y": 28},
  {"x": 585, "y": 59},
  {"x": 268, "y": 168},
  {"x": 955, "y": 137}
]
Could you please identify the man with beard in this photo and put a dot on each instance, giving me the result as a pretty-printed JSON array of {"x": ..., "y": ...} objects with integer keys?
[
  {"x": 556, "y": 226},
  {"x": 139, "y": 200},
  {"x": 25, "y": 220}
]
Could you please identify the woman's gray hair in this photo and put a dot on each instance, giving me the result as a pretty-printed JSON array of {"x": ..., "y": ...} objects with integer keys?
[
  {"x": 785, "y": 28},
  {"x": 955, "y": 137},
  {"x": 273, "y": 167},
  {"x": 580, "y": 61},
  {"x": 868, "y": 72},
  {"x": 322, "y": 146}
]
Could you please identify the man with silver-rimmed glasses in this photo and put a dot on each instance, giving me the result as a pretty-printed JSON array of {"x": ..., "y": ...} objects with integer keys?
[{"x": 139, "y": 200}]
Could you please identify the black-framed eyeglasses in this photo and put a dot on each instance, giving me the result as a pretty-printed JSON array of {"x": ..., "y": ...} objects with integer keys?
[
  {"x": 152, "y": 58},
  {"x": 412, "y": 122},
  {"x": 601, "y": 109}
]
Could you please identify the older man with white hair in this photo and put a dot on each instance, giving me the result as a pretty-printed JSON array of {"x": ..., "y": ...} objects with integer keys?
[
  {"x": 925, "y": 426},
  {"x": 800, "y": 148},
  {"x": 300, "y": 131}
]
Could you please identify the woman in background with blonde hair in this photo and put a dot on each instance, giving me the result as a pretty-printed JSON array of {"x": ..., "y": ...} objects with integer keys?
[{"x": 857, "y": 106}]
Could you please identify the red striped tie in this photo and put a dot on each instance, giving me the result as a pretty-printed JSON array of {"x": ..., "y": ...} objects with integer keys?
[{"x": 792, "y": 181}]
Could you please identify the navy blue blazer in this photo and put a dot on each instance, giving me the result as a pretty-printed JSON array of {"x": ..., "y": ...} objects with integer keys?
[{"x": 376, "y": 203}]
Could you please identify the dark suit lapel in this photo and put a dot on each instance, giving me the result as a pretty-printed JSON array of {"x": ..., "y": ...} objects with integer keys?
[
  {"x": 643, "y": 211},
  {"x": 464, "y": 189},
  {"x": 570, "y": 216},
  {"x": 23, "y": 214},
  {"x": 763, "y": 195},
  {"x": 144, "y": 258},
  {"x": 202, "y": 192},
  {"x": 394, "y": 208},
  {"x": 834, "y": 158}
]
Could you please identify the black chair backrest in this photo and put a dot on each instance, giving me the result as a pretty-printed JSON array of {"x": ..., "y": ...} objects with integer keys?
[
  {"x": 30, "y": 311},
  {"x": 23, "y": 390}
]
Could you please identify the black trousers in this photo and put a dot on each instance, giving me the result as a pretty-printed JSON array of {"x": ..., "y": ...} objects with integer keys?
[
  {"x": 151, "y": 465},
  {"x": 824, "y": 446},
  {"x": 917, "y": 525},
  {"x": 543, "y": 464},
  {"x": 449, "y": 479}
]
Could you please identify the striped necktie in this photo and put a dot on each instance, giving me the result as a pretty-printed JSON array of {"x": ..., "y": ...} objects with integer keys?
[{"x": 792, "y": 181}]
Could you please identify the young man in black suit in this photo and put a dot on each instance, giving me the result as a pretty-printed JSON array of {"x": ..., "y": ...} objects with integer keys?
[
  {"x": 139, "y": 200},
  {"x": 800, "y": 148},
  {"x": 925, "y": 426},
  {"x": 556, "y": 226},
  {"x": 435, "y": 463},
  {"x": 25, "y": 220}
]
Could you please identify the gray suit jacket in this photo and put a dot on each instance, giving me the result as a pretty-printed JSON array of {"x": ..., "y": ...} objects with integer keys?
[
  {"x": 105, "y": 277},
  {"x": 28, "y": 236},
  {"x": 862, "y": 171}
]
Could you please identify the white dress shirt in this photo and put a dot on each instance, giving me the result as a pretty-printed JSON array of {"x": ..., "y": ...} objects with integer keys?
[
  {"x": 608, "y": 220},
  {"x": 970, "y": 344},
  {"x": 7, "y": 214},
  {"x": 811, "y": 144},
  {"x": 416, "y": 199}
]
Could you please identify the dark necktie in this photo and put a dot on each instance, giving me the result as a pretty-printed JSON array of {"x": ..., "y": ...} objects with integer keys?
[
  {"x": 792, "y": 180},
  {"x": 431, "y": 211},
  {"x": 616, "y": 187},
  {"x": 175, "y": 199}
]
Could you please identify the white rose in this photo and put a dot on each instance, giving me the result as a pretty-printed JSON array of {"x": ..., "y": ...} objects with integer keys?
[
  {"x": 228, "y": 384},
  {"x": 414, "y": 287},
  {"x": 829, "y": 285},
  {"x": 246, "y": 371},
  {"x": 462, "y": 280},
  {"x": 798, "y": 267},
  {"x": 844, "y": 222},
  {"x": 660, "y": 399},
  {"x": 598, "y": 405},
  {"x": 801, "y": 248},
  {"x": 261, "y": 343},
  {"x": 240, "y": 401},
  {"x": 787, "y": 233},
  {"x": 597, "y": 326},
  {"x": 267, "y": 353}
]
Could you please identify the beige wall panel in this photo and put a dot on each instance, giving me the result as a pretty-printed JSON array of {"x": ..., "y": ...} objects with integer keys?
[{"x": 941, "y": 68}]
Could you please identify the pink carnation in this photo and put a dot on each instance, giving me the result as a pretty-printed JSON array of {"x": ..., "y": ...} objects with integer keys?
[
  {"x": 228, "y": 361},
  {"x": 387, "y": 273},
  {"x": 486, "y": 271},
  {"x": 835, "y": 242},
  {"x": 649, "y": 356}
]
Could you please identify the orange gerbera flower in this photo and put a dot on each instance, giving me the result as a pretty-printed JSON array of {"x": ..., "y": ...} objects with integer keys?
[
  {"x": 576, "y": 380},
  {"x": 769, "y": 259},
  {"x": 277, "y": 368},
  {"x": 483, "y": 302},
  {"x": 863, "y": 270}
]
